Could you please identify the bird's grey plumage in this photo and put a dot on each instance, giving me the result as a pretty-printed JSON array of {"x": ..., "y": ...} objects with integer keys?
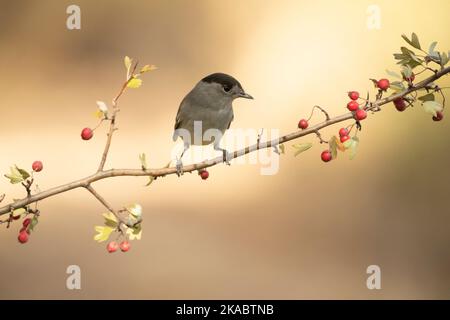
[{"x": 208, "y": 103}]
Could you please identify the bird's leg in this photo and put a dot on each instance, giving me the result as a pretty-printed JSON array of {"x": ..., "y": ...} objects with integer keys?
[
  {"x": 226, "y": 155},
  {"x": 179, "y": 164}
]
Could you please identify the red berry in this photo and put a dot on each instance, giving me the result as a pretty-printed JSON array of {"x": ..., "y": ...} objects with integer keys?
[
  {"x": 204, "y": 174},
  {"x": 344, "y": 138},
  {"x": 410, "y": 78},
  {"x": 354, "y": 95},
  {"x": 360, "y": 114},
  {"x": 125, "y": 246},
  {"x": 23, "y": 237},
  {"x": 37, "y": 166},
  {"x": 87, "y": 134},
  {"x": 352, "y": 106},
  {"x": 326, "y": 156},
  {"x": 26, "y": 222},
  {"x": 112, "y": 247},
  {"x": 303, "y": 124},
  {"x": 400, "y": 104},
  {"x": 439, "y": 116},
  {"x": 343, "y": 132},
  {"x": 383, "y": 84}
]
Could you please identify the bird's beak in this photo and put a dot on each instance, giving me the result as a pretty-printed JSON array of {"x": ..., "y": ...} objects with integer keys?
[{"x": 245, "y": 95}]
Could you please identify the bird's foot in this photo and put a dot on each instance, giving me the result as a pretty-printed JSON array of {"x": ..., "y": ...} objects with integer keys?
[
  {"x": 226, "y": 157},
  {"x": 179, "y": 167}
]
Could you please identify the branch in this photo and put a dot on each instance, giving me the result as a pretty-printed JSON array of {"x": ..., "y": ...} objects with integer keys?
[
  {"x": 101, "y": 174},
  {"x": 112, "y": 125},
  {"x": 100, "y": 198},
  {"x": 110, "y": 208}
]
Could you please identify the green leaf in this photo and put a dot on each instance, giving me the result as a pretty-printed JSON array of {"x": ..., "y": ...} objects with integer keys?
[
  {"x": 408, "y": 55},
  {"x": 397, "y": 86},
  {"x": 15, "y": 176},
  {"x": 406, "y": 51},
  {"x": 127, "y": 63},
  {"x": 415, "y": 41},
  {"x": 103, "y": 233},
  {"x": 134, "y": 83},
  {"x": 434, "y": 56},
  {"x": 25, "y": 175},
  {"x": 393, "y": 74},
  {"x": 347, "y": 143},
  {"x": 33, "y": 223},
  {"x": 110, "y": 220},
  {"x": 301, "y": 147},
  {"x": 148, "y": 68},
  {"x": 282, "y": 149},
  {"x": 143, "y": 159},
  {"x": 406, "y": 39},
  {"x": 432, "y": 47},
  {"x": 406, "y": 71},
  {"x": 409, "y": 62},
  {"x": 400, "y": 56},
  {"x": 333, "y": 143},
  {"x": 354, "y": 147},
  {"x": 135, "y": 233},
  {"x": 432, "y": 107},
  {"x": 427, "y": 97}
]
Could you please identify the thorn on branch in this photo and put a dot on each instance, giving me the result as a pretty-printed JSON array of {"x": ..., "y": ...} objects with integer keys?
[
  {"x": 320, "y": 137},
  {"x": 259, "y": 138},
  {"x": 276, "y": 150}
]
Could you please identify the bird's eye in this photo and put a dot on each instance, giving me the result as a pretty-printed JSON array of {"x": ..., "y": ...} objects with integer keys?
[{"x": 226, "y": 88}]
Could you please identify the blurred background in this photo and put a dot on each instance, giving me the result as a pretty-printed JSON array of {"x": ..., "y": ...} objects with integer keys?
[{"x": 310, "y": 231}]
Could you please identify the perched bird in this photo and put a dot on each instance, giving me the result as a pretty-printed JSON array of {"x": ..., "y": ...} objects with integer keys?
[{"x": 207, "y": 112}]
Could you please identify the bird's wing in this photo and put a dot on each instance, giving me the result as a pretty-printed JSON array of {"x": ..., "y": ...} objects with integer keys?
[
  {"x": 181, "y": 116},
  {"x": 178, "y": 118},
  {"x": 231, "y": 120}
]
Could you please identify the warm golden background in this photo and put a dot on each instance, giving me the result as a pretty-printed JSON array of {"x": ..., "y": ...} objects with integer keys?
[{"x": 308, "y": 232}]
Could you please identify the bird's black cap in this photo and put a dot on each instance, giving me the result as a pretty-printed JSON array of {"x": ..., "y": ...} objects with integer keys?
[{"x": 225, "y": 80}]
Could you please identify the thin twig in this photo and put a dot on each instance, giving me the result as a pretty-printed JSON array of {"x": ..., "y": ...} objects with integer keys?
[
  {"x": 112, "y": 124},
  {"x": 327, "y": 116},
  {"x": 105, "y": 203}
]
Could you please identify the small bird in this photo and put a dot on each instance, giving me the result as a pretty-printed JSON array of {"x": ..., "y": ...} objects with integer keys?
[{"x": 207, "y": 112}]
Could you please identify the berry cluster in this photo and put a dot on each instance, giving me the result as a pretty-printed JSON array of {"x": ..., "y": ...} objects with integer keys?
[
  {"x": 359, "y": 114},
  {"x": 358, "y": 110},
  {"x": 24, "y": 232},
  {"x": 113, "y": 246},
  {"x": 344, "y": 136},
  {"x": 402, "y": 103}
]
